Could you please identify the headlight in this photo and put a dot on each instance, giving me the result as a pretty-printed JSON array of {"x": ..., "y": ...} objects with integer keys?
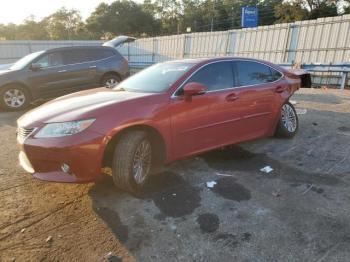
[{"x": 64, "y": 128}]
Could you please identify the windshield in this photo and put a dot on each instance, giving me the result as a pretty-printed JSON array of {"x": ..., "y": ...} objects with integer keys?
[
  {"x": 24, "y": 61},
  {"x": 155, "y": 79}
]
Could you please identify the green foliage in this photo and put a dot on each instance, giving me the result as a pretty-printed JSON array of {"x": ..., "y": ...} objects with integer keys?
[
  {"x": 165, "y": 17},
  {"x": 120, "y": 17}
]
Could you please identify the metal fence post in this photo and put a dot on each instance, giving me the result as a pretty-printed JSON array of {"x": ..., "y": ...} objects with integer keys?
[
  {"x": 154, "y": 50},
  {"x": 187, "y": 46},
  {"x": 343, "y": 80},
  {"x": 293, "y": 44},
  {"x": 128, "y": 51},
  {"x": 30, "y": 47},
  {"x": 231, "y": 43}
]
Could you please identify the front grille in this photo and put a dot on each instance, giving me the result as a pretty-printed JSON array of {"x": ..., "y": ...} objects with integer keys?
[{"x": 23, "y": 133}]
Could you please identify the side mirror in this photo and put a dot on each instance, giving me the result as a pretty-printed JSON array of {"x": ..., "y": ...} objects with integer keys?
[
  {"x": 35, "y": 67},
  {"x": 193, "y": 89}
]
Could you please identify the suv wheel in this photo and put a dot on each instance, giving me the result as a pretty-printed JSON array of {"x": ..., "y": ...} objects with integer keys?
[
  {"x": 14, "y": 98},
  {"x": 132, "y": 161},
  {"x": 288, "y": 124},
  {"x": 110, "y": 81}
]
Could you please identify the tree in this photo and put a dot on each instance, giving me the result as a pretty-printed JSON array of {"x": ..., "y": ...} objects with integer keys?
[
  {"x": 8, "y": 32},
  {"x": 120, "y": 17},
  {"x": 64, "y": 24},
  {"x": 31, "y": 29},
  {"x": 290, "y": 12}
]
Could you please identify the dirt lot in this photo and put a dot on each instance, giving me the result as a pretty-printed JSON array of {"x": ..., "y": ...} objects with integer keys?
[{"x": 298, "y": 212}]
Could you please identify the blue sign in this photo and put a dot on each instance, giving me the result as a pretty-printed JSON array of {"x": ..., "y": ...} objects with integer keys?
[{"x": 250, "y": 16}]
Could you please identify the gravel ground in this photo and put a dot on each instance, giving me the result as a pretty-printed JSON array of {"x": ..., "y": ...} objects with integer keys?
[{"x": 298, "y": 212}]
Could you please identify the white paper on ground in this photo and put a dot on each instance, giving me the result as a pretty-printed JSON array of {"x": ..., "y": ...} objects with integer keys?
[
  {"x": 211, "y": 184},
  {"x": 266, "y": 169},
  {"x": 301, "y": 111}
]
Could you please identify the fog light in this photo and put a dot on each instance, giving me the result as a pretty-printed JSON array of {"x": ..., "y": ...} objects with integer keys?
[{"x": 65, "y": 168}]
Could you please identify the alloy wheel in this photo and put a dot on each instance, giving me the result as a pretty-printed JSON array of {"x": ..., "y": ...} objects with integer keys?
[
  {"x": 14, "y": 98},
  {"x": 142, "y": 161},
  {"x": 289, "y": 118},
  {"x": 111, "y": 82}
]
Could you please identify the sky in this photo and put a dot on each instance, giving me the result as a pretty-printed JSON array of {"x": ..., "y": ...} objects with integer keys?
[{"x": 15, "y": 11}]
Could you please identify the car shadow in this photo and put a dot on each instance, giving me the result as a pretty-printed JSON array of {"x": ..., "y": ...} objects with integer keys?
[{"x": 165, "y": 194}]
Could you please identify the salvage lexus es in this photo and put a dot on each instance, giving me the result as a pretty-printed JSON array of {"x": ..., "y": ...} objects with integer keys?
[{"x": 166, "y": 112}]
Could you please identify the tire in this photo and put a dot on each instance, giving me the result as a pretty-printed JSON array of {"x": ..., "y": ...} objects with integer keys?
[
  {"x": 110, "y": 80},
  {"x": 288, "y": 123},
  {"x": 14, "y": 98},
  {"x": 124, "y": 168}
]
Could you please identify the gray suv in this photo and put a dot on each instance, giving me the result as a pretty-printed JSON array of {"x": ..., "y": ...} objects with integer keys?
[{"x": 59, "y": 71}]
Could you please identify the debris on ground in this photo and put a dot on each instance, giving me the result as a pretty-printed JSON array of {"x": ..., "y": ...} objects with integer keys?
[
  {"x": 108, "y": 255},
  {"x": 173, "y": 227},
  {"x": 293, "y": 102},
  {"x": 308, "y": 189},
  {"x": 211, "y": 184},
  {"x": 276, "y": 193},
  {"x": 49, "y": 239},
  {"x": 301, "y": 111},
  {"x": 23, "y": 229},
  {"x": 266, "y": 169},
  {"x": 221, "y": 174}
]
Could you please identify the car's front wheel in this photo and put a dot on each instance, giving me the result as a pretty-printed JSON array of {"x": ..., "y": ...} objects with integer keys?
[
  {"x": 132, "y": 161},
  {"x": 14, "y": 98},
  {"x": 288, "y": 123},
  {"x": 110, "y": 81}
]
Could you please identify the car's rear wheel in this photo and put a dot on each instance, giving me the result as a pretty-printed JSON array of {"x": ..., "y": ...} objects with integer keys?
[
  {"x": 14, "y": 98},
  {"x": 110, "y": 80},
  {"x": 132, "y": 161},
  {"x": 288, "y": 123}
]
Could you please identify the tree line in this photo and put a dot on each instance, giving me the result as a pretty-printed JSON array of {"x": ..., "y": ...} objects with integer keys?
[{"x": 165, "y": 17}]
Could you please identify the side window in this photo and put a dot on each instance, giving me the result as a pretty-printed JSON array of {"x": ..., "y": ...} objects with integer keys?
[
  {"x": 76, "y": 56},
  {"x": 253, "y": 73},
  {"x": 215, "y": 76},
  {"x": 52, "y": 59},
  {"x": 275, "y": 75},
  {"x": 97, "y": 54}
]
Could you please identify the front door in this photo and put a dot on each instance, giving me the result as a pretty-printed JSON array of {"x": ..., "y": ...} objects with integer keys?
[
  {"x": 208, "y": 120},
  {"x": 50, "y": 77}
]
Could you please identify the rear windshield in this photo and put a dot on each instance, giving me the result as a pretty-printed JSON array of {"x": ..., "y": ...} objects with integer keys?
[{"x": 155, "y": 79}]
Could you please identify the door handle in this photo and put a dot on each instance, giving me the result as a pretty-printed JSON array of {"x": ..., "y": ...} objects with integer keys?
[
  {"x": 232, "y": 97},
  {"x": 62, "y": 71},
  {"x": 280, "y": 89}
]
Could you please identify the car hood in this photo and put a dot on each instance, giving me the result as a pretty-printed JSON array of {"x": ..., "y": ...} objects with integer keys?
[
  {"x": 5, "y": 72},
  {"x": 77, "y": 106}
]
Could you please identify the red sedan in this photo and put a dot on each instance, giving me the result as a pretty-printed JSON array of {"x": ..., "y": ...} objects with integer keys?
[{"x": 166, "y": 112}]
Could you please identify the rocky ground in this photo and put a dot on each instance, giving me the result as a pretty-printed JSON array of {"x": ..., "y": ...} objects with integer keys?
[{"x": 298, "y": 212}]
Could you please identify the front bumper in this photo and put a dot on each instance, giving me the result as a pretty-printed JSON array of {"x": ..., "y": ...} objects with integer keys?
[{"x": 81, "y": 153}]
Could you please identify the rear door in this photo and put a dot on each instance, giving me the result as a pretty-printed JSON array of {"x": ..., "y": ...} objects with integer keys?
[
  {"x": 210, "y": 119},
  {"x": 258, "y": 93},
  {"x": 81, "y": 69}
]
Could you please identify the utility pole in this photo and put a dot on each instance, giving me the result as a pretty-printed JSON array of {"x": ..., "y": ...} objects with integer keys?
[{"x": 212, "y": 17}]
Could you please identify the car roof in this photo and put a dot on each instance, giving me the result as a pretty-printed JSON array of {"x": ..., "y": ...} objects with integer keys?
[
  {"x": 206, "y": 60},
  {"x": 79, "y": 48},
  {"x": 213, "y": 59}
]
